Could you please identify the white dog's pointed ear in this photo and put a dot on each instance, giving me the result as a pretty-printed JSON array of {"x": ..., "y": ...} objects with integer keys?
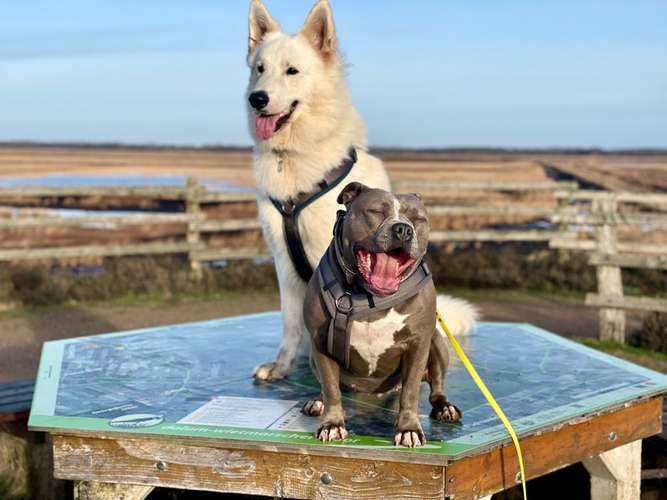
[
  {"x": 320, "y": 29},
  {"x": 260, "y": 22}
]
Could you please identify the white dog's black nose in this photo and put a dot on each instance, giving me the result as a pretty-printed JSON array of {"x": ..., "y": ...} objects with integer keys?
[
  {"x": 259, "y": 99},
  {"x": 402, "y": 231}
]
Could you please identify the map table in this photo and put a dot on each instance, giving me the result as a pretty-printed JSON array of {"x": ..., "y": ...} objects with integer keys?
[{"x": 176, "y": 406}]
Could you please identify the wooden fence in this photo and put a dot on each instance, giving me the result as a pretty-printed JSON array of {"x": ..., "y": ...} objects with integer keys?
[
  {"x": 515, "y": 209},
  {"x": 193, "y": 195},
  {"x": 610, "y": 256},
  {"x": 573, "y": 208}
]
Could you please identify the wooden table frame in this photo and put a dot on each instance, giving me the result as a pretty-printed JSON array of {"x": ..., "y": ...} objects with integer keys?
[{"x": 128, "y": 466}]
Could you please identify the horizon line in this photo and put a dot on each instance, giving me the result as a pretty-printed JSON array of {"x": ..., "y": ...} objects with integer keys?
[{"x": 647, "y": 150}]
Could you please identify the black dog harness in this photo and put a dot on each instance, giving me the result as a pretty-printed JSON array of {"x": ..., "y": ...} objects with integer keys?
[
  {"x": 346, "y": 302},
  {"x": 291, "y": 208}
]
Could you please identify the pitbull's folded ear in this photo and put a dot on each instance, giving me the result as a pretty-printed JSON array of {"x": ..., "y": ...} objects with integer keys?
[{"x": 351, "y": 191}]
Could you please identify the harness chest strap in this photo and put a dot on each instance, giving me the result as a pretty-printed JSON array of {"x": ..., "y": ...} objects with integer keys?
[
  {"x": 344, "y": 306},
  {"x": 291, "y": 208}
]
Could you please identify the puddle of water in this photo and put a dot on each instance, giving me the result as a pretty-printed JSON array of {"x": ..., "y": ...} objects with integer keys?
[{"x": 58, "y": 180}]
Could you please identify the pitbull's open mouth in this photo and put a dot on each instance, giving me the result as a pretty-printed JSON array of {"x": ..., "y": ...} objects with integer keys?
[
  {"x": 382, "y": 271},
  {"x": 267, "y": 125}
]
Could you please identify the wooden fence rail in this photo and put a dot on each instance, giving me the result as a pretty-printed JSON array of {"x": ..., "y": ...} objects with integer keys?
[
  {"x": 194, "y": 195},
  {"x": 171, "y": 193},
  {"x": 629, "y": 261},
  {"x": 617, "y": 196},
  {"x": 560, "y": 186}
]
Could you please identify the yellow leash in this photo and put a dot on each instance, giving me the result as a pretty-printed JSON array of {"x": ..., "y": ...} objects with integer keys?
[{"x": 489, "y": 397}]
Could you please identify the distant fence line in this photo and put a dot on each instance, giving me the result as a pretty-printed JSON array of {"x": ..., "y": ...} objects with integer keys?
[
  {"x": 595, "y": 209},
  {"x": 175, "y": 193}
]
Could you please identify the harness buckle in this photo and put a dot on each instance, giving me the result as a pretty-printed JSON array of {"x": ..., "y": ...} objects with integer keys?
[
  {"x": 344, "y": 303},
  {"x": 288, "y": 207}
]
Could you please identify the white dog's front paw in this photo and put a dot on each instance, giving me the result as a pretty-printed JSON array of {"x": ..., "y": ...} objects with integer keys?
[{"x": 269, "y": 371}]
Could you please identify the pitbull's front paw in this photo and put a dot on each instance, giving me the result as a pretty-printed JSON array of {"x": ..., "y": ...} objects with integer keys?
[
  {"x": 409, "y": 431},
  {"x": 411, "y": 439},
  {"x": 445, "y": 411},
  {"x": 330, "y": 431},
  {"x": 314, "y": 407},
  {"x": 269, "y": 371}
]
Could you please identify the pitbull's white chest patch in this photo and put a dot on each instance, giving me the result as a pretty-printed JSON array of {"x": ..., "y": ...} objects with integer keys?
[{"x": 372, "y": 338}]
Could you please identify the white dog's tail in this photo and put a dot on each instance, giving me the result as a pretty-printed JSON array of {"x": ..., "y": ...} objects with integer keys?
[{"x": 459, "y": 315}]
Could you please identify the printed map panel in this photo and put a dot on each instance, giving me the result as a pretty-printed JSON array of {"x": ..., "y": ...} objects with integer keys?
[{"x": 195, "y": 380}]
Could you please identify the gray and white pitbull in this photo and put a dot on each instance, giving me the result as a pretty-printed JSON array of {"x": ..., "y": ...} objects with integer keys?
[{"x": 370, "y": 311}]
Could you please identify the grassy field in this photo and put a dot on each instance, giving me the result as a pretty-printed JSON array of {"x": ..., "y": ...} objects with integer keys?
[{"x": 654, "y": 360}]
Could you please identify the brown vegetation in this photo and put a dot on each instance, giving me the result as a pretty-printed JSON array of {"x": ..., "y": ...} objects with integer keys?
[{"x": 653, "y": 333}]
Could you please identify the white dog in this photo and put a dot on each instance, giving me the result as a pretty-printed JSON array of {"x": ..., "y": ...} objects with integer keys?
[{"x": 306, "y": 131}]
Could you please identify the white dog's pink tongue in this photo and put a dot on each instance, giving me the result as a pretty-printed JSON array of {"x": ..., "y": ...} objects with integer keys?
[
  {"x": 265, "y": 126},
  {"x": 386, "y": 274}
]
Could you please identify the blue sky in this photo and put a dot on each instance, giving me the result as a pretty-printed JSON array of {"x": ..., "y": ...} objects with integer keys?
[{"x": 512, "y": 73}]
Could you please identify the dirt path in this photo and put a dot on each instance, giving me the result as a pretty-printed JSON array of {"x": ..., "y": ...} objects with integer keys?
[{"x": 21, "y": 336}]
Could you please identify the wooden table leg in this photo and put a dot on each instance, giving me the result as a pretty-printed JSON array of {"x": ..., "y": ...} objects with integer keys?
[
  {"x": 93, "y": 490},
  {"x": 616, "y": 474}
]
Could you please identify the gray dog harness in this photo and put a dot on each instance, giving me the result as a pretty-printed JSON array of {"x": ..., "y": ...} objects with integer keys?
[{"x": 346, "y": 304}]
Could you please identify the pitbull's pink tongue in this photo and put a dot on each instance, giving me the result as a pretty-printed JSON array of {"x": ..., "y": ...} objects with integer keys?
[
  {"x": 386, "y": 274},
  {"x": 265, "y": 126}
]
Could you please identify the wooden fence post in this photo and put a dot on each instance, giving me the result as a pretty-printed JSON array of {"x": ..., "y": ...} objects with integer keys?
[
  {"x": 193, "y": 199},
  {"x": 563, "y": 203},
  {"x": 610, "y": 282}
]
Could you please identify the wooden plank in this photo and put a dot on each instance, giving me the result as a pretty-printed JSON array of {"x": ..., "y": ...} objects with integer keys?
[
  {"x": 493, "y": 235},
  {"x": 193, "y": 237},
  {"x": 613, "y": 218},
  {"x": 87, "y": 221},
  {"x": 197, "y": 220},
  {"x": 618, "y": 196},
  {"x": 633, "y": 303},
  {"x": 654, "y": 474},
  {"x": 156, "y": 192},
  {"x": 610, "y": 281},
  {"x": 546, "y": 452},
  {"x": 94, "y": 251},
  {"x": 228, "y": 197},
  {"x": 623, "y": 247},
  {"x": 209, "y": 254},
  {"x": 564, "y": 243},
  {"x": 167, "y": 464},
  {"x": 486, "y": 185},
  {"x": 537, "y": 211},
  {"x": 214, "y": 226},
  {"x": 629, "y": 261}
]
